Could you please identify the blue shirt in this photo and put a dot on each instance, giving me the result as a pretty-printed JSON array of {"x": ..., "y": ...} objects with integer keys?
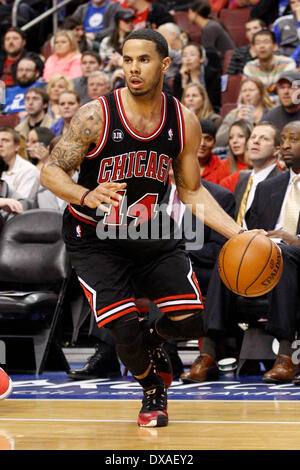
[
  {"x": 57, "y": 127},
  {"x": 14, "y": 99},
  {"x": 94, "y": 18}
]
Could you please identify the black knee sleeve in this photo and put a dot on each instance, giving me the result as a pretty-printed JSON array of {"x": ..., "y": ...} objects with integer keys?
[
  {"x": 130, "y": 346},
  {"x": 189, "y": 328}
]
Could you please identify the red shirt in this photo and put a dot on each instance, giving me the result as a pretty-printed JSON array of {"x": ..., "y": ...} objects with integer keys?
[
  {"x": 230, "y": 181},
  {"x": 224, "y": 169},
  {"x": 6, "y": 73},
  {"x": 140, "y": 19},
  {"x": 211, "y": 168}
]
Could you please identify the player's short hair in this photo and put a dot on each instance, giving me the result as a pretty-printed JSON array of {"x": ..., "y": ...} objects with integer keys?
[{"x": 153, "y": 36}]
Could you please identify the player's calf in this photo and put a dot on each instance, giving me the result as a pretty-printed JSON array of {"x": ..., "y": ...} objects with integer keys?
[{"x": 190, "y": 327}]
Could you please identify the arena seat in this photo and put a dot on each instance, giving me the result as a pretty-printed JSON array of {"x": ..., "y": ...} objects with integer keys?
[
  {"x": 232, "y": 89},
  {"x": 227, "y": 56},
  {"x": 233, "y": 17},
  {"x": 226, "y": 108},
  {"x": 11, "y": 120},
  {"x": 238, "y": 35},
  {"x": 34, "y": 273},
  {"x": 182, "y": 20}
]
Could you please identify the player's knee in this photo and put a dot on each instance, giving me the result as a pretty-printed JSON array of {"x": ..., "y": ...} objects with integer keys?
[
  {"x": 125, "y": 329},
  {"x": 190, "y": 327}
]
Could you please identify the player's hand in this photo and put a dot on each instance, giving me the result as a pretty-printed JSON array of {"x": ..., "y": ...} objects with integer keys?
[
  {"x": 284, "y": 236},
  {"x": 105, "y": 193},
  {"x": 11, "y": 205},
  {"x": 259, "y": 231}
]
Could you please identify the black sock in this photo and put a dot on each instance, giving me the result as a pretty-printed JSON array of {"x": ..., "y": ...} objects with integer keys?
[
  {"x": 209, "y": 346},
  {"x": 285, "y": 347},
  {"x": 150, "y": 381}
]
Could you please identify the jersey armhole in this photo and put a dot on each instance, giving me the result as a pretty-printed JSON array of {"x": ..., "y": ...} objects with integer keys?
[{"x": 103, "y": 138}]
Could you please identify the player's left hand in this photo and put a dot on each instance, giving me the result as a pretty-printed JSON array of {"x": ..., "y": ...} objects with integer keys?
[{"x": 284, "y": 236}]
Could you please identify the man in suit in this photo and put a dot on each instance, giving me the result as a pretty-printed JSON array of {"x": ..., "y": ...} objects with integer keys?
[
  {"x": 276, "y": 209},
  {"x": 220, "y": 304}
]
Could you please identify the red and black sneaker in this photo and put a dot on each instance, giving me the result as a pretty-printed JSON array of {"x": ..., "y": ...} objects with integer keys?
[
  {"x": 153, "y": 413},
  {"x": 6, "y": 386},
  {"x": 162, "y": 365}
]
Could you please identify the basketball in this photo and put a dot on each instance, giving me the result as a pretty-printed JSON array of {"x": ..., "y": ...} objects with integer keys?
[{"x": 250, "y": 264}]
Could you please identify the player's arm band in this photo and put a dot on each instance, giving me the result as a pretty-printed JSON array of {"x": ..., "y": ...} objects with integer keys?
[
  {"x": 84, "y": 196},
  {"x": 242, "y": 231}
]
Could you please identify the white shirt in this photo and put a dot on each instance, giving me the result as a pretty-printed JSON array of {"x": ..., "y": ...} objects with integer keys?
[
  {"x": 257, "y": 178},
  {"x": 279, "y": 223},
  {"x": 24, "y": 178}
]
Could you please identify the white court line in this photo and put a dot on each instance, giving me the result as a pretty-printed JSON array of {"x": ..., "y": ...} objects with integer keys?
[{"x": 56, "y": 420}]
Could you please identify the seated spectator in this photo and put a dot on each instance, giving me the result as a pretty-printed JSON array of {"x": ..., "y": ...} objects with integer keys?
[
  {"x": 97, "y": 17},
  {"x": 69, "y": 103},
  {"x": 111, "y": 46},
  {"x": 57, "y": 84},
  {"x": 149, "y": 14},
  {"x": 90, "y": 62},
  {"x": 9, "y": 200},
  {"x": 194, "y": 68},
  {"x": 77, "y": 29},
  {"x": 172, "y": 34},
  {"x": 14, "y": 43},
  {"x": 213, "y": 34},
  {"x": 269, "y": 10},
  {"x": 196, "y": 99},
  {"x": 36, "y": 104},
  {"x": 209, "y": 163},
  {"x": 287, "y": 29},
  {"x": 268, "y": 66},
  {"x": 27, "y": 76},
  {"x": 65, "y": 58},
  {"x": 21, "y": 176},
  {"x": 217, "y": 5},
  {"x": 239, "y": 134},
  {"x": 244, "y": 54},
  {"x": 288, "y": 91},
  {"x": 254, "y": 103},
  {"x": 37, "y": 146},
  {"x": 98, "y": 84}
]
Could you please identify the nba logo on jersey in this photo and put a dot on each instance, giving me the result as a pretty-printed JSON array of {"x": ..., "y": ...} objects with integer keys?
[
  {"x": 117, "y": 135},
  {"x": 78, "y": 231},
  {"x": 170, "y": 134}
]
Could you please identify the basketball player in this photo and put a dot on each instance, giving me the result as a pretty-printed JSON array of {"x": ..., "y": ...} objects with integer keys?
[{"x": 125, "y": 143}]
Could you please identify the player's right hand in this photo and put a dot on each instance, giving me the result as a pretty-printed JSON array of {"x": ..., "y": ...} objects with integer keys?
[{"x": 105, "y": 193}]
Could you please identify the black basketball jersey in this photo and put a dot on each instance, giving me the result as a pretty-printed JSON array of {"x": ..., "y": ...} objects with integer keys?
[{"x": 124, "y": 155}]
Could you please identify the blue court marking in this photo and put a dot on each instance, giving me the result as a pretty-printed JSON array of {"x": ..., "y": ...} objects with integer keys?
[{"x": 58, "y": 386}]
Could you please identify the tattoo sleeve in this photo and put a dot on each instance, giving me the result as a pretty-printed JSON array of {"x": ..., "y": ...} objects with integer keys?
[{"x": 85, "y": 129}]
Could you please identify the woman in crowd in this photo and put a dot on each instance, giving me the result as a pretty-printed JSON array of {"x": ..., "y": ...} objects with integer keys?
[
  {"x": 196, "y": 99},
  {"x": 254, "y": 102},
  {"x": 239, "y": 134},
  {"x": 111, "y": 46},
  {"x": 37, "y": 145},
  {"x": 57, "y": 84},
  {"x": 66, "y": 58},
  {"x": 195, "y": 68}
]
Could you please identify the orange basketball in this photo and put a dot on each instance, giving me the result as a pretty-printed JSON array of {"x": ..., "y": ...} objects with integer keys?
[{"x": 250, "y": 264}]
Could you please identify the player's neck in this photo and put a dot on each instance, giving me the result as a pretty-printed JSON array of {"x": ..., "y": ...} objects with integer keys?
[{"x": 145, "y": 105}]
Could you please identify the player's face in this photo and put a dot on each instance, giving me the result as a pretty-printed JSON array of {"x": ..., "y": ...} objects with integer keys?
[
  {"x": 143, "y": 66},
  {"x": 237, "y": 141},
  {"x": 290, "y": 145},
  {"x": 261, "y": 144}
]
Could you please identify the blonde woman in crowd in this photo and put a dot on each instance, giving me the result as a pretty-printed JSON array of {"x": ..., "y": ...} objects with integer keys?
[
  {"x": 253, "y": 104},
  {"x": 57, "y": 84},
  {"x": 196, "y": 99},
  {"x": 66, "y": 58}
]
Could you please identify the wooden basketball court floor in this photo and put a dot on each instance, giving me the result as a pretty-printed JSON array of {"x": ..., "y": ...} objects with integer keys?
[{"x": 45, "y": 413}]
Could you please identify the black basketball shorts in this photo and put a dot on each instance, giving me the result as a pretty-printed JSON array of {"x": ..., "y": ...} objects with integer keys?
[{"x": 112, "y": 271}]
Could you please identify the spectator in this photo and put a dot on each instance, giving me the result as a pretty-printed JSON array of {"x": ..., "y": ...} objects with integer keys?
[
  {"x": 14, "y": 43},
  {"x": 110, "y": 47},
  {"x": 9, "y": 200},
  {"x": 149, "y": 14},
  {"x": 269, "y": 10},
  {"x": 97, "y": 17},
  {"x": 21, "y": 176},
  {"x": 254, "y": 103},
  {"x": 244, "y": 54},
  {"x": 37, "y": 145},
  {"x": 65, "y": 58},
  {"x": 268, "y": 66},
  {"x": 27, "y": 76},
  {"x": 69, "y": 103},
  {"x": 239, "y": 134},
  {"x": 287, "y": 29},
  {"x": 220, "y": 314},
  {"x": 209, "y": 163},
  {"x": 213, "y": 34},
  {"x": 98, "y": 84},
  {"x": 288, "y": 88},
  {"x": 36, "y": 103},
  {"x": 57, "y": 84},
  {"x": 77, "y": 29},
  {"x": 172, "y": 34},
  {"x": 194, "y": 68},
  {"x": 196, "y": 99},
  {"x": 90, "y": 62}
]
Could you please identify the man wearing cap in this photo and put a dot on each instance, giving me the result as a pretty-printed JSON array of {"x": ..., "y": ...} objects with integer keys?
[
  {"x": 14, "y": 43},
  {"x": 209, "y": 162},
  {"x": 288, "y": 91}
]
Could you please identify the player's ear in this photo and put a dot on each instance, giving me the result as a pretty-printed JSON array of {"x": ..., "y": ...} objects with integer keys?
[{"x": 166, "y": 63}]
